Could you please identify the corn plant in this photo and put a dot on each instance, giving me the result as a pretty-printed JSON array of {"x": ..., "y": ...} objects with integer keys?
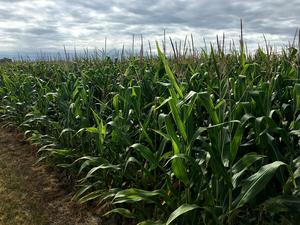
[{"x": 211, "y": 138}]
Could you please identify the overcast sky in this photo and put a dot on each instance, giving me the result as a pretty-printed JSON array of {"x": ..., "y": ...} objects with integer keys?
[{"x": 40, "y": 25}]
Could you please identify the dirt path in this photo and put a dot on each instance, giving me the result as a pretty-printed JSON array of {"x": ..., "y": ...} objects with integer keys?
[{"x": 31, "y": 194}]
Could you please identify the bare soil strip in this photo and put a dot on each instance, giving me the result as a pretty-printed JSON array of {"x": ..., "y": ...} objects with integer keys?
[{"x": 32, "y": 194}]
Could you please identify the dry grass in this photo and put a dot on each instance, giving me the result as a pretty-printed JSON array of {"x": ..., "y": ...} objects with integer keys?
[{"x": 29, "y": 194}]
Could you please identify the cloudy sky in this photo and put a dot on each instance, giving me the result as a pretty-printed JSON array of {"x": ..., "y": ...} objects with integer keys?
[{"x": 41, "y": 25}]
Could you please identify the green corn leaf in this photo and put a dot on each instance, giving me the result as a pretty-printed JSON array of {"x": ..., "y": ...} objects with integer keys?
[
  {"x": 163, "y": 103},
  {"x": 66, "y": 130},
  {"x": 242, "y": 165},
  {"x": 147, "y": 154},
  {"x": 91, "y": 196},
  {"x": 84, "y": 189},
  {"x": 288, "y": 203},
  {"x": 180, "y": 171},
  {"x": 177, "y": 119},
  {"x": 116, "y": 102},
  {"x": 235, "y": 142},
  {"x": 169, "y": 71},
  {"x": 102, "y": 167},
  {"x": 295, "y": 132},
  {"x": 150, "y": 222},
  {"x": 180, "y": 211},
  {"x": 131, "y": 160},
  {"x": 257, "y": 182},
  {"x": 145, "y": 133},
  {"x": 60, "y": 152},
  {"x": 209, "y": 106},
  {"x": 135, "y": 195},
  {"x": 122, "y": 211},
  {"x": 296, "y": 93},
  {"x": 89, "y": 161},
  {"x": 93, "y": 130},
  {"x": 8, "y": 83},
  {"x": 172, "y": 135},
  {"x": 165, "y": 136},
  {"x": 190, "y": 100}
]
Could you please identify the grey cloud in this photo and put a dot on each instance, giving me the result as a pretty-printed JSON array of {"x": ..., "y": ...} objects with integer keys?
[
  {"x": 86, "y": 23},
  {"x": 42, "y": 30},
  {"x": 9, "y": 15}
]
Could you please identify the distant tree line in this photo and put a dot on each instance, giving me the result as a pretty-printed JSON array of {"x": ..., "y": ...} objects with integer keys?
[{"x": 5, "y": 60}]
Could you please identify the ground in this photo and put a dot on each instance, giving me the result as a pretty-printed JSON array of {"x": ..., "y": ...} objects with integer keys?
[{"x": 32, "y": 194}]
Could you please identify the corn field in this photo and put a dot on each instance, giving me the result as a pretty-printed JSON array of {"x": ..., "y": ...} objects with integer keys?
[{"x": 206, "y": 138}]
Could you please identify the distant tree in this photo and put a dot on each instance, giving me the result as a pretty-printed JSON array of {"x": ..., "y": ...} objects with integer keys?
[{"x": 5, "y": 60}]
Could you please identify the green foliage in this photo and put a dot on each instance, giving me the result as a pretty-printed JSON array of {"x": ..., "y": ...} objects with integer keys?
[{"x": 207, "y": 139}]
